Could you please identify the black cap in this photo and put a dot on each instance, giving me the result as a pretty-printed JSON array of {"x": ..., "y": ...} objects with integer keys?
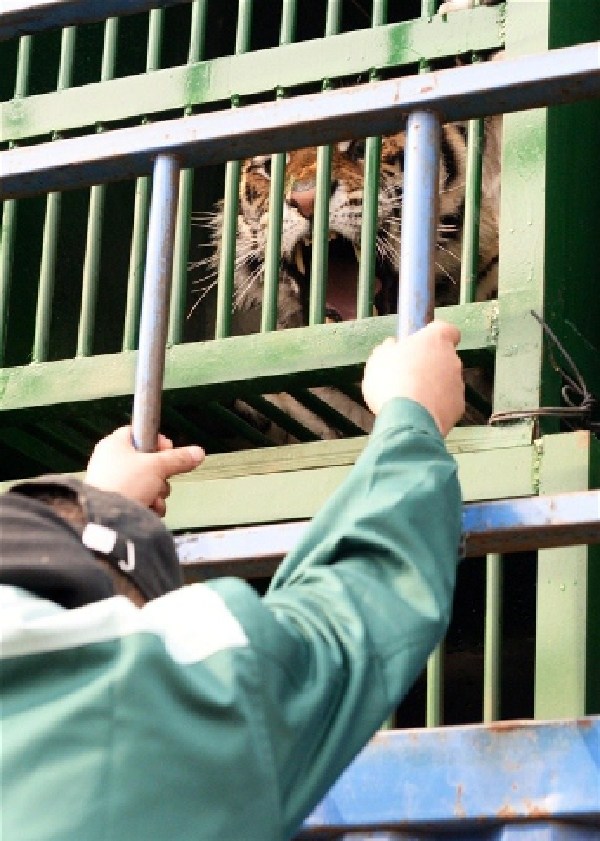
[{"x": 42, "y": 552}]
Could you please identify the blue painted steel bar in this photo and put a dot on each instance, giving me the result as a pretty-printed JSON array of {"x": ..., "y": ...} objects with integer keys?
[
  {"x": 155, "y": 304},
  {"x": 462, "y": 779},
  {"x": 555, "y": 77},
  {"x": 22, "y": 17},
  {"x": 419, "y": 220},
  {"x": 497, "y": 526}
]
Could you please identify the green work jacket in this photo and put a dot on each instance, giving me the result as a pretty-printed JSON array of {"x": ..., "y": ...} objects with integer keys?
[{"x": 212, "y": 714}]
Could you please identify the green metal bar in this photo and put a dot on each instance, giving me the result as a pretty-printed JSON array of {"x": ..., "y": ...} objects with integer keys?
[
  {"x": 186, "y": 186},
  {"x": 320, "y": 241},
  {"x": 228, "y": 419},
  {"x": 155, "y": 33},
  {"x": 43, "y": 317},
  {"x": 279, "y": 417},
  {"x": 221, "y": 78},
  {"x": 326, "y": 412},
  {"x": 91, "y": 265},
  {"x": 37, "y": 448},
  {"x": 9, "y": 214},
  {"x": 273, "y": 248},
  {"x": 7, "y": 240},
  {"x": 470, "y": 246},
  {"x": 228, "y": 249},
  {"x": 231, "y": 198},
  {"x": 137, "y": 257},
  {"x": 428, "y": 8},
  {"x": 276, "y": 197},
  {"x": 368, "y": 233},
  {"x": 493, "y": 638},
  {"x": 434, "y": 704}
]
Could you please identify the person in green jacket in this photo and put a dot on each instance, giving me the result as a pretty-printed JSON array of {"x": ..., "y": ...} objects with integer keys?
[{"x": 206, "y": 712}]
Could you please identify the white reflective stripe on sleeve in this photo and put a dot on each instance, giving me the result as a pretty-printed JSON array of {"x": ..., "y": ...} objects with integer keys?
[{"x": 193, "y": 622}]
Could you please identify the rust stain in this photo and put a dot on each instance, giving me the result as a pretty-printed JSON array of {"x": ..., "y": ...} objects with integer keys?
[
  {"x": 535, "y": 811},
  {"x": 426, "y": 89},
  {"x": 459, "y": 809},
  {"x": 507, "y": 812},
  {"x": 507, "y": 726}
]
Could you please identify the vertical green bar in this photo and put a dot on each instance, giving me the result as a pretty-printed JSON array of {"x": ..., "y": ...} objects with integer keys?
[
  {"x": 231, "y": 199},
  {"x": 43, "y": 316},
  {"x": 566, "y": 660},
  {"x": 434, "y": 710},
  {"x": 273, "y": 248},
  {"x": 469, "y": 266},
  {"x": 320, "y": 239},
  {"x": 492, "y": 645},
  {"x": 276, "y": 192},
  {"x": 9, "y": 215},
  {"x": 428, "y": 8},
  {"x": 137, "y": 257},
  {"x": 91, "y": 265},
  {"x": 368, "y": 233},
  {"x": 184, "y": 208}
]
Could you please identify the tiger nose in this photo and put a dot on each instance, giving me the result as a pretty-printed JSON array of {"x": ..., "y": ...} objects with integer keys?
[{"x": 304, "y": 201}]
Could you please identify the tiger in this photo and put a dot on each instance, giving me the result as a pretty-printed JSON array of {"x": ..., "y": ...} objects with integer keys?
[{"x": 344, "y": 232}]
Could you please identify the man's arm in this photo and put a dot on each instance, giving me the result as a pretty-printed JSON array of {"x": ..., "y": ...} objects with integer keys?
[{"x": 355, "y": 609}]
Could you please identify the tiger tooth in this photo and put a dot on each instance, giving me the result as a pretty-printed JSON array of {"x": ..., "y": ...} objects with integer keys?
[
  {"x": 357, "y": 253},
  {"x": 332, "y": 235},
  {"x": 300, "y": 259}
]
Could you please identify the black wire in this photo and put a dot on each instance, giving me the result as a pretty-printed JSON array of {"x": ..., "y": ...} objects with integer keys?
[{"x": 581, "y": 403}]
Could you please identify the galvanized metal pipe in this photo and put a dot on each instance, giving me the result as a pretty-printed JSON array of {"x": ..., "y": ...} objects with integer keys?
[
  {"x": 20, "y": 17},
  {"x": 419, "y": 221},
  {"x": 563, "y": 75},
  {"x": 155, "y": 304}
]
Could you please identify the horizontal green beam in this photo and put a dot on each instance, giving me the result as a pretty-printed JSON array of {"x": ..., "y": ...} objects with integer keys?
[
  {"x": 226, "y": 368},
  {"x": 249, "y": 74},
  {"x": 209, "y": 498}
]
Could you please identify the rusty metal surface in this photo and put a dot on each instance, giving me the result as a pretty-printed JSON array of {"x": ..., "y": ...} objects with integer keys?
[
  {"x": 559, "y": 76},
  {"x": 456, "y": 779},
  {"x": 507, "y": 525}
]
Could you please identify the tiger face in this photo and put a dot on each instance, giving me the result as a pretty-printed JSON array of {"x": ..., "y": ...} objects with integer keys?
[{"x": 345, "y": 222}]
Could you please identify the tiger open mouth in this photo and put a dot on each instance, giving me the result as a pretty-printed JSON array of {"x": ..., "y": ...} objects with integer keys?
[{"x": 342, "y": 276}]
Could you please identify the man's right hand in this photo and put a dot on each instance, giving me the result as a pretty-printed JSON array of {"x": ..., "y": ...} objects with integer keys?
[
  {"x": 423, "y": 367},
  {"x": 115, "y": 465}
]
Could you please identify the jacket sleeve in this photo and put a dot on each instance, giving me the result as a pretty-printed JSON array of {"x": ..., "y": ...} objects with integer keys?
[{"x": 357, "y": 607}]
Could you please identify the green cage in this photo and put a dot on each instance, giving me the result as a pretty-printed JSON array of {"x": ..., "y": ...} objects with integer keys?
[{"x": 524, "y": 641}]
